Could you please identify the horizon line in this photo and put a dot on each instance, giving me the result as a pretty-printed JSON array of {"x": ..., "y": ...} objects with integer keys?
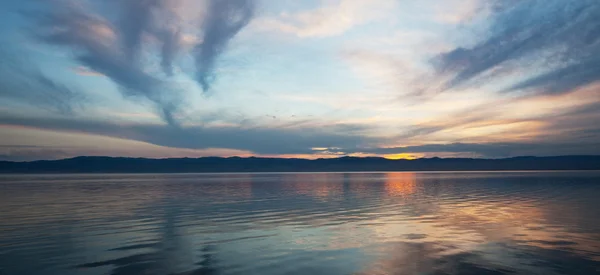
[{"x": 308, "y": 159}]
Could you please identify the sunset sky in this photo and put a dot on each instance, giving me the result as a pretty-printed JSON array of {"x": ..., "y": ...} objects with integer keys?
[{"x": 289, "y": 78}]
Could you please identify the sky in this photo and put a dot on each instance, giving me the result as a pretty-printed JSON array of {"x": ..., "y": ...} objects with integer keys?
[{"x": 400, "y": 79}]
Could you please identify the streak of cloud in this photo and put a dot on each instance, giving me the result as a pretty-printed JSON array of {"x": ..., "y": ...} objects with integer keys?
[
  {"x": 95, "y": 43},
  {"x": 224, "y": 20},
  {"x": 25, "y": 83},
  {"x": 332, "y": 18},
  {"x": 564, "y": 36},
  {"x": 116, "y": 45},
  {"x": 339, "y": 140},
  {"x": 258, "y": 140},
  {"x": 495, "y": 150},
  {"x": 150, "y": 17}
]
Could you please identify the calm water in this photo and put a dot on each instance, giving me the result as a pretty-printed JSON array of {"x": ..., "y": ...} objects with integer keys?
[{"x": 354, "y": 223}]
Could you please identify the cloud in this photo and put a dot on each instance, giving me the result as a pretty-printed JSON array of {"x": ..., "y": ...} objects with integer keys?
[
  {"x": 388, "y": 72},
  {"x": 258, "y": 140},
  {"x": 81, "y": 70},
  {"x": 456, "y": 11},
  {"x": 27, "y": 153},
  {"x": 330, "y": 19},
  {"x": 225, "y": 18},
  {"x": 562, "y": 36},
  {"x": 488, "y": 150},
  {"x": 151, "y": 17},
  {"x": 557, "y": 118},
  {"x": 566, "y": 134},
  {"x": 26, "y": 83},
  {"x": 119, "y": 45},
  {"x": 564, "y": 79},
  {"x": 96, "y": 45}
]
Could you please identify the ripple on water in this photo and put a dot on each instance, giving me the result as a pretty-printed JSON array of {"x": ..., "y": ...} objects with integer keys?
[{"x": 339, "y": 223}]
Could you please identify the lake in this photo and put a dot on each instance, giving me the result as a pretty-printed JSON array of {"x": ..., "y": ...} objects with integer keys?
[{"x": 301, "y": 223}]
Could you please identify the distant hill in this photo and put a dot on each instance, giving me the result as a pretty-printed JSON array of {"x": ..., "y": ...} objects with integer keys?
[{"x": 252, "y": 164}]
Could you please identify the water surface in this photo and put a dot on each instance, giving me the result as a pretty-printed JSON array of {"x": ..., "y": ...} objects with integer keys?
[{"x": 324, "y": 223}]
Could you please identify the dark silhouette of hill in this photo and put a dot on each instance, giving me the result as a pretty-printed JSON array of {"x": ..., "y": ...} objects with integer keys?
[{"x": 253, "y": 164}]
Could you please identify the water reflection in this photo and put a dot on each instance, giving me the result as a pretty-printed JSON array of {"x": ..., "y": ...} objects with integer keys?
[
  {"x": 318, "y": 186},
  {"x": 168, "y": 253},
  {"x": 400, "y": 184},
  {"x": 340, "y": 223}
]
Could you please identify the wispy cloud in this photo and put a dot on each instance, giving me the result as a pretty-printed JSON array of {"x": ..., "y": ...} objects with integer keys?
[
  {"x": 81, "y": 70},
  {"x": 150, "y": 17},
  {"x": 562, "y": 36},
  {"x": 258, "y": 140},
  {"x": 569, "y": 132},
  {"x": 117, "y": 45},
  {"x": 495, "y": 150},
  {"x": 387, "y": 72},
  {"x": 555, "y": 118},
  {"x": 333, "y": 17},
  {"x": 456, "y": 11},
  {"x": 225, "y": 18},
  {"x": 24, "y": 82},
  {"x": 96, "y": 44}
]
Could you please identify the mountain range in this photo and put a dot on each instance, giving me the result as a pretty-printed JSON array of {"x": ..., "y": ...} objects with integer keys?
[{"x": 255, "y": 164}]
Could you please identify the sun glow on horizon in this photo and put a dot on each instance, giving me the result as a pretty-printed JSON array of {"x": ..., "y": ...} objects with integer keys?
[{"x": 406, "y": 156}]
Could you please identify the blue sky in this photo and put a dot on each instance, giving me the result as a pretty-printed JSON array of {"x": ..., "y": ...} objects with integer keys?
[{"x": 315, "y": 78}]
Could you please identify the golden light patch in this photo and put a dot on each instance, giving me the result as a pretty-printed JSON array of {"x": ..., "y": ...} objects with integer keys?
[{"x": 401, "y": 156}]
